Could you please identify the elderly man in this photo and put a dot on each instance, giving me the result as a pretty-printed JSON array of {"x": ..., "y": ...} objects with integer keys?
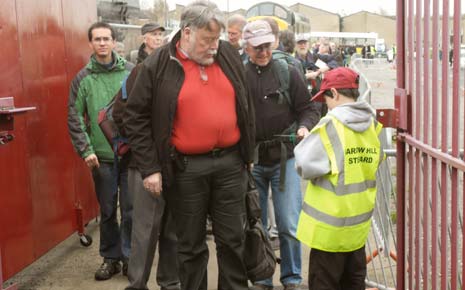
[
  {"x": 190, "y": 125},
  {"x": 304, "y": 54},
  {"x": 283, "y": 112},
  {"x": 152, "y": 34},
  {"x": 152, "y": 221},
  {"x": 235, "y": 25}
]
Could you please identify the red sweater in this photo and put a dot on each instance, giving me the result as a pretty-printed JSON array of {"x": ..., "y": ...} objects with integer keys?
[{"x": 206, "y": 112}]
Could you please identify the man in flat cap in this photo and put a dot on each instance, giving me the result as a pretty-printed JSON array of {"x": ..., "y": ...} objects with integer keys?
[{"x": 153, "y": 38}]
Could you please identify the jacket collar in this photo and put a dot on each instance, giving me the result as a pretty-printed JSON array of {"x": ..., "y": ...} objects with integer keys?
[
  {"x": 259, "y": 69},
  {"x": 177, "y": 38},
  {"x": 95, "y": 66}
]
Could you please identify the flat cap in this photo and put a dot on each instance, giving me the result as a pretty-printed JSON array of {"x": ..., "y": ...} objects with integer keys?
[{"x": 148, "y": 27}]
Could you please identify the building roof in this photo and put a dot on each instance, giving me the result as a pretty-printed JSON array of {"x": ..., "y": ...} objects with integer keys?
[
  {"x": 372, "y": 13},
  {"x": 315, "y": 8}
]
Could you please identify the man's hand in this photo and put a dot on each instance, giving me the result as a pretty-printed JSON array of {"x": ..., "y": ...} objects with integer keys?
[
  {"x": 92, "y": 161},
  {"x": 249, "y": 166},
  {"x": 312, "y": 75},
  {"x": 153, "y": 184},
  {"x": 324, "y": 69},
  {"x": 302, "y": 132}
]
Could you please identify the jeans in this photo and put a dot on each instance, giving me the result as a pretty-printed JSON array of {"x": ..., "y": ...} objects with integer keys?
[
  {"x": 287, "y": 206},
  {"x": 115, "y": 240},
  {"x": 215, "y": 185}
]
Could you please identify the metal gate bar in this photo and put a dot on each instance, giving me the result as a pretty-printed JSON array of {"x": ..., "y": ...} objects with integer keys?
[{"x": 430, "y": 107}]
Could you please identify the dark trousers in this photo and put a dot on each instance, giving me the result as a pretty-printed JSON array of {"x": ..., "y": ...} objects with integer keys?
[
  {"x": 152, "y": 223},
  {"x": 115, "y": 239},
  {"x": 210, "y": 184},
  {"x": 337, "y": 271}
]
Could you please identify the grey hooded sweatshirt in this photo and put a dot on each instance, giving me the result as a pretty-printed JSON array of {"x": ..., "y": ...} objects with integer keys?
[{"x": 311, "y": 159}]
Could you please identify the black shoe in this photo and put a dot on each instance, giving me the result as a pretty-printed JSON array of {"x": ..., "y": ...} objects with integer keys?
[
  {"x": 292, "y": 287},
  {"x": 108, "y": 268},
  {"x": 125, "y": 268}
]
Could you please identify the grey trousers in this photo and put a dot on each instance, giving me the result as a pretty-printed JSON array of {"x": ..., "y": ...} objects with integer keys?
[{"x": 152, "y": 223}]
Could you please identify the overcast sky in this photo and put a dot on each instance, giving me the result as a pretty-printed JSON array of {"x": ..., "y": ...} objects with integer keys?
[{"x": 343, "y": 7}]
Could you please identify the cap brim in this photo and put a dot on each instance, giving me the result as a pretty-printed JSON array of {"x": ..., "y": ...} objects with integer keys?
[
  {"x": 319, "y": 97},
  {"x": 259, "y": 40},
  {"x": 158, "y": 28}
]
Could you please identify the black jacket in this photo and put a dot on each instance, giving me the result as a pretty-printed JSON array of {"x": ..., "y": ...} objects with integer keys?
[
  {"x": 141, "y": 54},
  {"x": 152, "y": 103},
  {"x": 273, "y": 118}
]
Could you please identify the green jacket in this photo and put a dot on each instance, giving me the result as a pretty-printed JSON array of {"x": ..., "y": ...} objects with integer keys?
[{"x": 91, "y": 90}]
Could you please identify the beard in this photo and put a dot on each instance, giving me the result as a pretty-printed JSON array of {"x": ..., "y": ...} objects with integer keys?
[
  {"x": 302, "y": 51},
  {"x": 201, "y": 58}
]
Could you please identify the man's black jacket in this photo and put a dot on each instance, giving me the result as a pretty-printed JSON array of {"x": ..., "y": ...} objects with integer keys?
[
  {"x": 152, "y": 104},
  {"x": 273, "y": 118}
]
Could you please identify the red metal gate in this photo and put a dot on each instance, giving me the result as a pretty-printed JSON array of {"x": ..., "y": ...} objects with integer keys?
[
  {"x": 42, "y": 182},
  {"x": 430, "y": 166}
]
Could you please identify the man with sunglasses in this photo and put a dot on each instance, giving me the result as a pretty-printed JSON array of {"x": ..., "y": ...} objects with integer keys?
[{"x": 283, "y": 114}]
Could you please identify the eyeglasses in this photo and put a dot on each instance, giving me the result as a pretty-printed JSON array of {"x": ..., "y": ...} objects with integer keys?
[
  {"x": 100, "y": 39},
  {"x": 262, "y": 47}
]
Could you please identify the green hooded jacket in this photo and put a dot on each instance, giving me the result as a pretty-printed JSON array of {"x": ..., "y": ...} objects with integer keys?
[{"x": 91, "y": 90}]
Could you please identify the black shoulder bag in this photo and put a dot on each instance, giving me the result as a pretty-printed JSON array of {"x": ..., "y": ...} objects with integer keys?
[{"x": 259, "y": 256}]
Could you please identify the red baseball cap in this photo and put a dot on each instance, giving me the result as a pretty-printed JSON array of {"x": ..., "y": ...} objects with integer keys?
[{"x": 338, "y": 78}]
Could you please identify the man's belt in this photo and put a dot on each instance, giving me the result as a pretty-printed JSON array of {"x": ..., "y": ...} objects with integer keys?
[{"x": 216, "y": 152}]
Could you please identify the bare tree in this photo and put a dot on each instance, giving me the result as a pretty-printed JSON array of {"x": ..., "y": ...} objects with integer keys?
[
  {"x": 383, "y": 11},
  {"x": 160, "y": 11}
]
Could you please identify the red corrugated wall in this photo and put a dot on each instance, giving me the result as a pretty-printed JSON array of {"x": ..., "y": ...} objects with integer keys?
[{"x": 44, "y": 44}]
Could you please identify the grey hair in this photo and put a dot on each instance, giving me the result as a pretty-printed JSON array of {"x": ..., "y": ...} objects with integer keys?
[
  {"x": 237, "y": 19},
  {"x": 200, "y": 13},
  {"x": 287, "y": 39}
]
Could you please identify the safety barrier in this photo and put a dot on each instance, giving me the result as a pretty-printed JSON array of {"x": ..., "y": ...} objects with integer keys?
[{"x": 381, "y": 243}]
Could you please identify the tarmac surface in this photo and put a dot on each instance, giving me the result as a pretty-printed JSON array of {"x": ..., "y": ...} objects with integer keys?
[{"x": 70, "y": 266}]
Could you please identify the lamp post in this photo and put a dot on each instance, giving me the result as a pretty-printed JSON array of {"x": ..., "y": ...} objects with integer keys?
[{"x": 166, "y": 13}]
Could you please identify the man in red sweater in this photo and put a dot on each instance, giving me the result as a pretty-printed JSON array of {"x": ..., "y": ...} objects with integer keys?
[{"x": 191, "y": 130}]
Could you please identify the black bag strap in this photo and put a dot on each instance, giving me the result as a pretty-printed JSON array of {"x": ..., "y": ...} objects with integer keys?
[{"x": 252, "y": 200}]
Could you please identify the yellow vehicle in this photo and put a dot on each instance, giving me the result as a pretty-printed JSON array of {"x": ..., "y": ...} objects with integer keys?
[{"x": 286, "y": 18}]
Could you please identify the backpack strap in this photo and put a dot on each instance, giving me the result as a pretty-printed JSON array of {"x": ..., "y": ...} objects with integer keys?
[
  {"x": 124, "y": 91},
  {"x": 281, "y": 70}
]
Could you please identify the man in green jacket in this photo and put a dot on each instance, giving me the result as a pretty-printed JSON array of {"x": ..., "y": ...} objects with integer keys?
[{"x": 91, "y": 90}]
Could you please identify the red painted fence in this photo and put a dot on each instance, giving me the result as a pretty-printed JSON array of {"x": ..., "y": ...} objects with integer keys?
[{"x": 42, "y": 181}]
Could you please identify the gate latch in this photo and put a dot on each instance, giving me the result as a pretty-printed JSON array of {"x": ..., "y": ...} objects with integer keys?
[
  {"x": 6, "y": 138},
  {"x": 387, "y": 117},
  {"x": 7, "y": 113}
]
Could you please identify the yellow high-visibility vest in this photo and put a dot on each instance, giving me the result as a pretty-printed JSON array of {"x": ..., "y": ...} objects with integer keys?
[{"x": 337, "y": 210}]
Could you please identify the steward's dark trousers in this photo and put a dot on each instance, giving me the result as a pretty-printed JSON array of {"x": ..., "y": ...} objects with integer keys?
[
  {"x": 337, "y": 271},
  {"x": 152, "y": 222},
  {"x": 213, "y": 183}
]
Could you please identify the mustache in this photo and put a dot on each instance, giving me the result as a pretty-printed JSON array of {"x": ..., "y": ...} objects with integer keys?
[{"x": 212, "y": 51}]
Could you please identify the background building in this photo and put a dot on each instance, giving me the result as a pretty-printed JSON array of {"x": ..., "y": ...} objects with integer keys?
[
  {"x": 364, "y": 21},
  {"x": 320, "y": 20}
]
